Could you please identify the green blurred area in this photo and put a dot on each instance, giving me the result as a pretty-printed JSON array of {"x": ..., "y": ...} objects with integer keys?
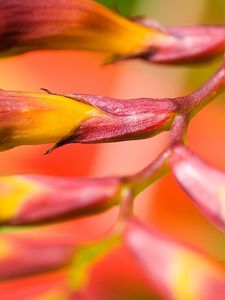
[
  {"x": 124, "y": 7},
  {"x": 213, "y": 12}
]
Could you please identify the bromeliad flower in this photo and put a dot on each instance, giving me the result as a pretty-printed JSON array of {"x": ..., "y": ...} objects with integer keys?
[
  {"x": 86, "y": 25},
  {"x": 188, "y": 44},
  {"x": 23, "y": 254},
  {"x": 35, "y": 199},
  {"x": 43, "y": 250},
  {"x": 28, "y": 118},
  {"x": 65, "y": 24},
  {"x": 49, "y": 286},
  {"x": 177, "y": 271},
  {"x": 204, "y": 183},
  {"x": 122, "y": 119},
  {"x": 191, "y": 45}
]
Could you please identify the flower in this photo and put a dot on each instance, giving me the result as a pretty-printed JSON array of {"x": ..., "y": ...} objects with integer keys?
[
  {"x": 65, "y": 24},
  {"x": 187, "y": 44},
  {"x": 32, "y": 252},
  {"x": 28, "y": 199},
  {"x": 87, "y": 25},
  {"x": 39, "y": 118},
  {"x": 49, "y": 285},
  {"x": 122, "y": 119},
  {"x": 177, "y": 271},
  {"x": 202, "y": 182}
]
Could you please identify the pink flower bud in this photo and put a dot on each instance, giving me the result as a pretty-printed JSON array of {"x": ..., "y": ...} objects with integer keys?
[
  {"x": 203, "y": 183},
  {"x": 40, "y": 118},
  {"x": 35, "y": 199},
  {"x": 64, "y": 24},
  {"x": 22, "y": 254},
  {"x": 122, "y": 119},
  {"x": 175, "y": 270},
  {"x": 51, "y": 285},
  {"x": 188, "y": 44}
]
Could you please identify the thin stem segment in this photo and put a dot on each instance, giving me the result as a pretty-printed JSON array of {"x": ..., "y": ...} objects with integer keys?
[
  {"x": 197, "y": 100},
  {"x": 160, "y": 166}
]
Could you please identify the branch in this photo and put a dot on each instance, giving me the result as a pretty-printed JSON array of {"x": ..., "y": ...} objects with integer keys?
[{"x": 197, "y": 100}]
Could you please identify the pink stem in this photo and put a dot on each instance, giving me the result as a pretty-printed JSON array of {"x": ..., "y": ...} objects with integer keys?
[
  {"x": 202, "y": 96},
  {"x": 160, "y": 166}
]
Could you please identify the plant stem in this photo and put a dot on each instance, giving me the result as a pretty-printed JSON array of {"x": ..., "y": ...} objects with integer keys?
[
  {"x": 160, "y": 166},
  {"x": 155, "y": 170},
  {"x": 179, "y": 129},
  {"x": 195, "y": 101},
  {"x": 187, "y": 107},
  {"x": 126, "y": 209}
]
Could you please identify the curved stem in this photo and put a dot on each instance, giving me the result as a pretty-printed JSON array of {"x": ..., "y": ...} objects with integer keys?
[
  {"x": 178, "y": 129},
  {"x": 126, "y": 209},
  {"x": 195, "y": 101},
  {"x": 160, "y": 166},
  {"x": 187, "y": 107},
  {"x": 155, "y": 170}
]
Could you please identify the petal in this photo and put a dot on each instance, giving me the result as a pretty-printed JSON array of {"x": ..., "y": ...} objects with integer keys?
[
  {"x": 203, "y": 183},
  {"x": 192, "y": 44},
  {"x": 49, "y": 286},
  {"x": 37, "y": 118},
  {"x": 176, "y": 270},
  {"x": 37, "y": 199},
  {"x": 66, "y": 24},
  {"x": 187, "y": 44},
  {"x": 122, "y": 119},
  {"x": 25, "y": 255}
]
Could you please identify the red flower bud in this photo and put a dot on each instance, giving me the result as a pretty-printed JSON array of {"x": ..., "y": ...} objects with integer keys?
[
  {"x": 22, "y": 254},
  {"x": 122, "y": 119},
  {"x": 188, "y": 44},
  {"x": 175, "y": 270},
  {"x": 38, "y": 118},
  {"x": 87, "y": 25},
  {"x": 64, "y": 24},
  {"x": 203, "y": 183},
  {"x": 50, "y": 285},
  {"x": 35, "y": 199}
]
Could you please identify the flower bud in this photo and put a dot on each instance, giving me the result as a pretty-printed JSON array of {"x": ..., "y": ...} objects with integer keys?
[
  {"x": 187, "y": 44},
  {"x": 202, "y": 182},
  {"x": 87, "y": 25},
  {"x": 38, "y": 118},
  {"x": 122, "y": 119},
  {"x": 175, "y": 270},
  {"x": 47, "y": 286},
  {"x": 22, "y": 254},
  {"x": 37, "y": 199},
  {"x": 64, "y": 24}
]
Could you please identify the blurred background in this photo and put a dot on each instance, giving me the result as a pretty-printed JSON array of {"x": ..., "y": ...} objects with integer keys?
[{"x": 163, "y": 204}]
